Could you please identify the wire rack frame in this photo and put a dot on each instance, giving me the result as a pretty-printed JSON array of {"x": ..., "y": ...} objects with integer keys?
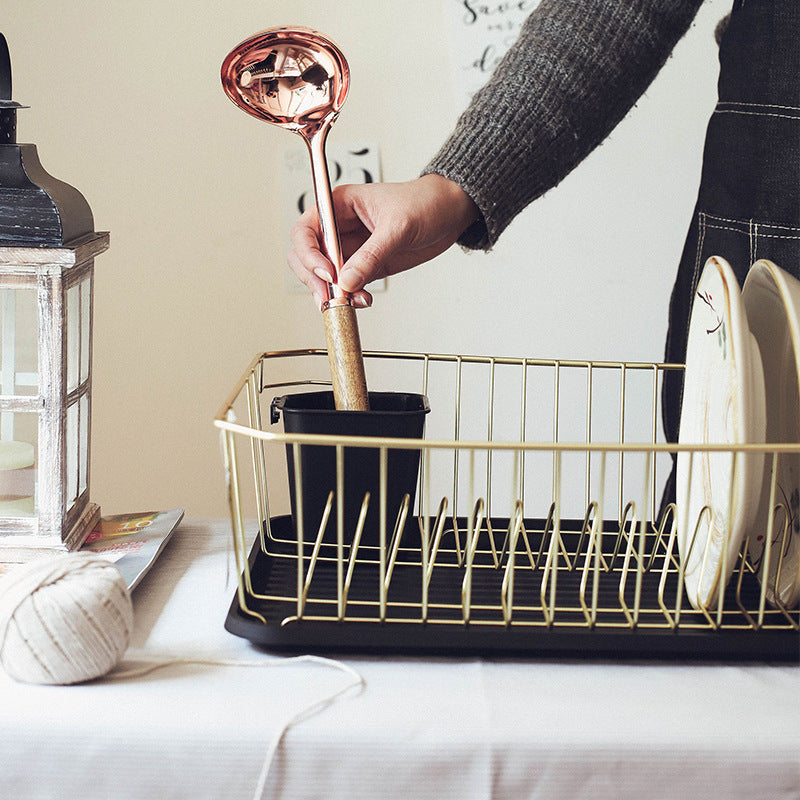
[{"x": 594, "y": 552}]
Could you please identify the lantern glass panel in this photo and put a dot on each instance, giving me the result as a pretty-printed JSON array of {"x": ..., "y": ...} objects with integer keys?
[
  {"x": 18, "y": 460},
  {"x": 85, "y": 327},
  {"x": 78, "y": 333},
  {"x": 73, "y": 336},
  {"x": 83, "y": 444},
  {"x": 19, "y": 348},
  {"x": 73, "y": 460},
  {"x": 77, "y": 444}
]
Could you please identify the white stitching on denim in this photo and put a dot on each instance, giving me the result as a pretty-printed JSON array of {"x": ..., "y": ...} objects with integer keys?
[
  {"x": 727, "y": 219},
  {"x": 745, "y": 222},
  {"x": 755, "y": 113},
  {"x": 747, "y": 233},
  {"x": 753, "y": 242},
  {"x": 701, "y": 233},
  {"x": 780, "y": 227},
  {"x": 727, "y": 228},
  {"x": 757, "y": 105},
  {"x": 701, "y": 236},
  {"x": 776, "y": 236}
]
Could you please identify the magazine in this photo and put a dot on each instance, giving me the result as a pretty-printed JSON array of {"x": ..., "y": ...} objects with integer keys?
[{"x": 133, "y": 541}]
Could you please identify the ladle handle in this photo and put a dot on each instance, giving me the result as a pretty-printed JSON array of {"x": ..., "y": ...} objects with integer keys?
[
  {"x": 339, "y": 316},
  {"x": 345, "y": 357}
]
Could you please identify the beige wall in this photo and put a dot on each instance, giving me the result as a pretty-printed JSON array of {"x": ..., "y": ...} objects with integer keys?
[{"x": 127, "y": 106}]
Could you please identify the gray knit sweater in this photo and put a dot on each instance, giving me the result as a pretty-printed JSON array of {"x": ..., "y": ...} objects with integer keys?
[{"x": 573, "y": 74}]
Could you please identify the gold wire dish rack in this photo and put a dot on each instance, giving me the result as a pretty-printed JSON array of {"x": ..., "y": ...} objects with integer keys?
[{"x": 535, "y": 524}]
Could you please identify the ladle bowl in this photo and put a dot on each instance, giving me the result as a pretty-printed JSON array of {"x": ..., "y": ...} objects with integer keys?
[
  {"x": 292, "y": 77},
  {"x": 298, "y": 79}
]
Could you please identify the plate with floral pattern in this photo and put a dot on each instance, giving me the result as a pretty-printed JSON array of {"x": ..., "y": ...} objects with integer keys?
[{"x": 718, "y": 491}]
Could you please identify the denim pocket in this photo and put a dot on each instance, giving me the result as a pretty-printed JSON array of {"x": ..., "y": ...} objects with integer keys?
[
  {"x": 740, "y": 242},
  {"x": 743, "y": 242}
]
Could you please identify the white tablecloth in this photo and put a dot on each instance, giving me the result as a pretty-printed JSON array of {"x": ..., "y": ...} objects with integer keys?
[{"x": 418, "y": 728}]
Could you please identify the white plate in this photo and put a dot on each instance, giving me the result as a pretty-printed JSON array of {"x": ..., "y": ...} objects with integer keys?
[
  {"x": 771, "y": 299},
  {"x": 718, "y": 492}
]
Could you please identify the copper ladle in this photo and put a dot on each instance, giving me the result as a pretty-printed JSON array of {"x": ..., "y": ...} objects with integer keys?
[{"x": 298, "y": 79}]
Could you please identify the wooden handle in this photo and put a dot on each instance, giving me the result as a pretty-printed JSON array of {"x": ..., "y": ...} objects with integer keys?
[{"x": 346, "y": 360}]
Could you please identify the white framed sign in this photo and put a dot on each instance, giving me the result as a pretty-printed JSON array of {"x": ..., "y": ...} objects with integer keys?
[{"x": 481, "y": 31}]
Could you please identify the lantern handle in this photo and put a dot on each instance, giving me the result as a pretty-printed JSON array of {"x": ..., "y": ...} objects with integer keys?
[
  {"x": 8, "y": 108},
  {"x": 5, "y": 70}
]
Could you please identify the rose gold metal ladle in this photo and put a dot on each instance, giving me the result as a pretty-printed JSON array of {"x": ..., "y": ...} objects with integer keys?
[{"x": 296, "y": 78}]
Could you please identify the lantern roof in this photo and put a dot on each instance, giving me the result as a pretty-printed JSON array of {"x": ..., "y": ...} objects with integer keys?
[{"x": 36, "y": 209}]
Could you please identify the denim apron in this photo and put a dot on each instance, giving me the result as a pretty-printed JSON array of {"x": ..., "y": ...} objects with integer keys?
[{"x": 748, "y": 205}]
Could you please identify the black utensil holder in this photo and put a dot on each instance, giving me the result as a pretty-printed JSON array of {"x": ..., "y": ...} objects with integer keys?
[{"x": 392, "y": 415}]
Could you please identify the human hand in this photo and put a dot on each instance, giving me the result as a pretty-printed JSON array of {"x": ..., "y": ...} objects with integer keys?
[{"x": 384, "y": 228}]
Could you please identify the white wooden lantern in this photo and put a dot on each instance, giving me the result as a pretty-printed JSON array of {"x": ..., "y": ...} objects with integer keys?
[
  {"x": 45, "y": 396},
  {"x": 47, "y": 249}
]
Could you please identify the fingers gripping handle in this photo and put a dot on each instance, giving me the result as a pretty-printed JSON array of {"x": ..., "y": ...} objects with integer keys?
[{"x": 345, "y": 358}]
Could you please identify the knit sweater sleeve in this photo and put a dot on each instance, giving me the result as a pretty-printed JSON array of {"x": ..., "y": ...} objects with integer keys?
[{"x": 575, "y": 71}]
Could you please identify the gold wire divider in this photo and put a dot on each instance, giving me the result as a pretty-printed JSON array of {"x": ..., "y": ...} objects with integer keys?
[{"x": 619, "y": 540}]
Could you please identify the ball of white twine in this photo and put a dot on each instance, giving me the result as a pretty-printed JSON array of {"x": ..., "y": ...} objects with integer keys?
[{"x": 64, "y": 620}]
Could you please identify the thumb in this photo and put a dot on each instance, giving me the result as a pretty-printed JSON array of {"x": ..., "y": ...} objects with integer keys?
[{"x": 369, "y": 262}]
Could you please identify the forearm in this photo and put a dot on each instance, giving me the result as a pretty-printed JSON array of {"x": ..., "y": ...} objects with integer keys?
[{"x": 574, "y": 73}]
